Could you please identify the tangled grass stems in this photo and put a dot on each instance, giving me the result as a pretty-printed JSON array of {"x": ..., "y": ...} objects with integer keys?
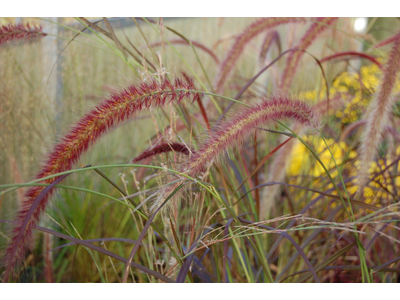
[
  {"x": 365, "y": 273},
  {"x": 240, "y": 252},
  {"x": 110, "y": 113}
]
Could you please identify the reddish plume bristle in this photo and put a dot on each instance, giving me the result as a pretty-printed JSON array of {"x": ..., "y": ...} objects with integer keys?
[
  {"x": 240, "y": 125},
  {"x": 110, "y": 113},
  {"x": 19, "y": 32},
  {"x": 295, "y": 56},
  {"x": 269, "y": 39},
  {"x": 242, "y": 40},
  {"x": 378, "y": 113},
  {"x": 163, "y": 148}
]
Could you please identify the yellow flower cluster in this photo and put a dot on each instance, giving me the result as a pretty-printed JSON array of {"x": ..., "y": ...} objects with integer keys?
[
  {"x": 356, "y": 90},
  {"x": 353, "y": 90},
  {"x": 304, "y": 163},
  {"x": 359, "y": 90},
  {"x": 303, "y": 158}
]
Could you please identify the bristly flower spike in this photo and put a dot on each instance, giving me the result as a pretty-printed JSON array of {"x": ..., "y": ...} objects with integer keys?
[
  {"x": 279, "y": 164},
  {"x": 163, "y": 148},
  {"x": 20, "y": 32},
  {"x": 238, "y": 127},
  {"x": 293, "y": 60},
  {"x": 242, "y": 40},
  {"x": 119, "y": 107},
  {"x": 243, "y": 123},
  {"x": 269, "y": 39},
  {"x": 378, "y": 113}
]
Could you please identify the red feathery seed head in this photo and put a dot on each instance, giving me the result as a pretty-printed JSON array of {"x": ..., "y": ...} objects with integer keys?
[
  {"x": 114, "y": 110},
  {"x": 163, "y": 148},
  {"x": 242, "y": 40},
  {"x": 20, "y": 32},
  {"x": 241, "y": 124},
  {"x": 270, "y": 37},
  {"x": 378, "y": 113},
  {"x": 294, "y": 57}
]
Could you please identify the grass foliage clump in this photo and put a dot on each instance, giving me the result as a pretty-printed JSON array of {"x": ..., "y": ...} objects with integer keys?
[{"x": 268, "y": 152}]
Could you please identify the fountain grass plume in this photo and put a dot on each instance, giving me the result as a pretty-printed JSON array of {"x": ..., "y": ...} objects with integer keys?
[
  {"x": 378, "y": 113},
  {"x": 281, "y": 161},
  {"x": 244, "y": 122},
  {"x": 163, "y": 148},
  {"x": 242, "y": 40},
  {"x": 280, "y": 164},
  {"x": 114, "y": 110},
  {"x": 237, "y": 128},
  {"x": 269, "y": 39},
  {"x": 293, "y": 60},
  {"x": 20, "y": 32}
]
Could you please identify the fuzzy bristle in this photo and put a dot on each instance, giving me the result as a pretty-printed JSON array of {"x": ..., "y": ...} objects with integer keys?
[
  {"x": 239, "y": 126},
  {"x": 114, "y": 110},
  {"x": 20, "y": 32},
  {"x": 378, "y": 113},
  {"x": 243, "y": 123},
  {"x": 293, "y": 60},
  {"x": 242, "y": 40},
  {"x": 163, "y": 148},
  {"x": 269, "y": 39}
]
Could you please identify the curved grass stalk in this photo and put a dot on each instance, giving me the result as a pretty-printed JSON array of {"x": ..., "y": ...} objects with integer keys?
[
  {"x": 190, "y": 43},
  {"x": 343, "y": 55},
  {"x": 386, "y": 42},
  {"x": 70, "y": 28},
  {"x": 83, "y": 43},
  {"x": 117, "y": 52},
  {"x": 90, "y": 168},
  {"x": 190, "y": 68}
]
